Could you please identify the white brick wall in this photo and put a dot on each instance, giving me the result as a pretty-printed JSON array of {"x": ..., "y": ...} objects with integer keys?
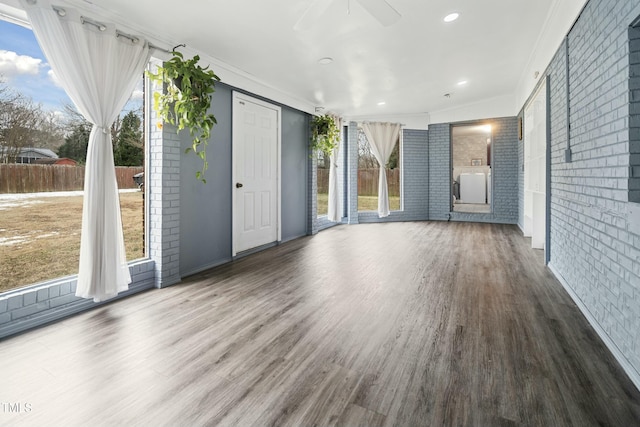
[
  {"x": 164, "y": 200},
  {"x": 592, "y": 250}
]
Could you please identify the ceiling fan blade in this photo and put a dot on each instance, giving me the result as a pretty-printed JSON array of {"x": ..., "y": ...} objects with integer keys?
[
  {"x": 310, "y": 16},
  {"x": 382, "y": 11}
]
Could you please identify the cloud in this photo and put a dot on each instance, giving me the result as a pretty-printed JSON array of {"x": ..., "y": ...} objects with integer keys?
[
  {"x": 137, "y": 95},
  {"x": 12, "y": 64},
  {"x": 53, "y": 78}
]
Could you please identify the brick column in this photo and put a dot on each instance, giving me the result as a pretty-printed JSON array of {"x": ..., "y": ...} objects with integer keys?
[
  {"x": 352, "y": 173},
  {"x": 164, "y": 199}
]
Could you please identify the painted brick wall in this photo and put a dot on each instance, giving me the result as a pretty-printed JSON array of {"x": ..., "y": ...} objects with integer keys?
[
  {"x": 504, "y": 171},
  {"x": 415, "y": 175},
  {"x": 164, "y": 200},
  {"x": 592, "y": 250},
  {"x": 415, "y": 180},
  {"x": 37, "y": 305},
  {"x": 312, "y": 201},
  {"x": 634, "y": 112},
  {"x": 439, "y": 171},
  {"x": 352, "y": 174}
]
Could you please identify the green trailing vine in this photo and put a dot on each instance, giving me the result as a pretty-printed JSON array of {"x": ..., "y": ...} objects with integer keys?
[
  {"x": 324, "y": 134},
  {"x": 186, "y": 101}
]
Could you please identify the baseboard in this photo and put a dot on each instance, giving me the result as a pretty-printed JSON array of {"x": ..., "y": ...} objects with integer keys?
[
  {"x": 205, "y": 267},
  {"x": 628, "y": 368}
]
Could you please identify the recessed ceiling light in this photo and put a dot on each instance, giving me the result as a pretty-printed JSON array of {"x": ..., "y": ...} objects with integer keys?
[
  {"x": 381, "y": 103},
  {"x": 451, "y": 17},
  {"x": 325, "y": 61},
  {"x": 462, "y": 82}
]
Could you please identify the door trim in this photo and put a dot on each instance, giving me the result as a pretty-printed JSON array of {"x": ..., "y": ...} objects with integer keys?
[{"x": 236, "y": 123}]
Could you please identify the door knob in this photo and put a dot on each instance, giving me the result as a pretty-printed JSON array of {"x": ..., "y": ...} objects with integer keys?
[{"x": 238, "y": 185}]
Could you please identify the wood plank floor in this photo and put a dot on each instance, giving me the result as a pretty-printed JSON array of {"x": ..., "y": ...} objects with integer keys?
[{"x": 408, "y": 324}]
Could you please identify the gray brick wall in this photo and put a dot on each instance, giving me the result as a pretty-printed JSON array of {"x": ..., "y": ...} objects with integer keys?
[
  {"x": 23, "y": 309},
  {"x": 592, "y": 250},
  {"x": 352, "y": 173},
  {"x": 439, "y": 204},
  {"x": 504, "y": 171},
  {"x": 634, "y": 113},
  {"x": 312, "y": 202}
]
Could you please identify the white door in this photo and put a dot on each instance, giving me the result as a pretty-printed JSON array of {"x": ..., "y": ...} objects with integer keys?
[
  {"x": 535, "y": 157},
  {"x": 256, "y": 173}
]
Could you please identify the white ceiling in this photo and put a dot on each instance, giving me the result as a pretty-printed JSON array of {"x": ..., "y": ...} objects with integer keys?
[{"x": 409, "y": 65}]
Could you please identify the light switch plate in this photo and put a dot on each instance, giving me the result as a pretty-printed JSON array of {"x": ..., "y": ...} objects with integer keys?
[{"x": 634, "y": 218}]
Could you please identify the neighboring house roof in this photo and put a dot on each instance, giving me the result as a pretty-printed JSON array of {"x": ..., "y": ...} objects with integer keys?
[
  {"x": 37, "y": 153},
  {"x": 63, "y": 161},
  {"x": 33, "y": 152}
]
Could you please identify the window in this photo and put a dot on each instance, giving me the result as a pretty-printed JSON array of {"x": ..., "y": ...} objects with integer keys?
[
  {"x": 43, "y": 144},
  {"x": 323, "y": 183},
  {"x": 368, "y": 173}
]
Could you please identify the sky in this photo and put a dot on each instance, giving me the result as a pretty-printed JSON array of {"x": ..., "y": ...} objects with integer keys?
[{"x": 24, "y": 68}]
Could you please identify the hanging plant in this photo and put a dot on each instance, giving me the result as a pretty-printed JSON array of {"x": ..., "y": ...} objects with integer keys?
[
  {"x": 324, "y": 134},
  {"x": 186, "y": 101}
]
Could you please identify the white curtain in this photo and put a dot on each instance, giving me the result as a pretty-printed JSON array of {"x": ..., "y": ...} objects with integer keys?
[
  {"x": 334, "y": 213},
  {"x": 99, "y": 70},
  {"x": 382, "y": 137}
]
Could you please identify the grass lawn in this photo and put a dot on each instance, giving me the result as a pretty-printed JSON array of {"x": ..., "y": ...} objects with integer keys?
[
  {"x": 365, "y": 203},
  {"x": 40, "y": 239}
]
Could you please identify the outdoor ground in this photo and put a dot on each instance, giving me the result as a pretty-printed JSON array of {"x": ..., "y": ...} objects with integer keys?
[
  {"x": 40, "y": 237},
  {"x": 365, "y": 203}
]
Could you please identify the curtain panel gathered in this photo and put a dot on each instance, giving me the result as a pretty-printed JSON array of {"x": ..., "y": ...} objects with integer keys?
[
  {"x": 99, "y": 69},
  {"x": 334, "y": 213},
  {"x": 382, "y": 137}
]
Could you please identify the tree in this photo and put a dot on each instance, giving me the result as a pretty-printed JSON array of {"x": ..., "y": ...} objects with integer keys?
[
  {"x": 20, "y": 118},
  {"x": 394, "y": 158},
  {"x": 128, "y": 145},
  {"x": 126, "y": 137},
  {"x": 23, "y": 123},
  {"x": 366, "y": 159},
  {"x": 76, "y": 142}
]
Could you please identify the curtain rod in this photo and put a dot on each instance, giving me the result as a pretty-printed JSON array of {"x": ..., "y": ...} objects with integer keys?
[{"x": 102, "y": 27}]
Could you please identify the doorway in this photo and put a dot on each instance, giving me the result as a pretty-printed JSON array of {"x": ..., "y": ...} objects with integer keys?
[
  {"x": 471, "y": 168},
  {"x": 256, "y": 173}
]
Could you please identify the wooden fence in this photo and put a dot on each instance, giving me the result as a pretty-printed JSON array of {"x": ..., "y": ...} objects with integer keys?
[
  {"x": 20, "y": 178},
  {"x": 367, "y": 181}
]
